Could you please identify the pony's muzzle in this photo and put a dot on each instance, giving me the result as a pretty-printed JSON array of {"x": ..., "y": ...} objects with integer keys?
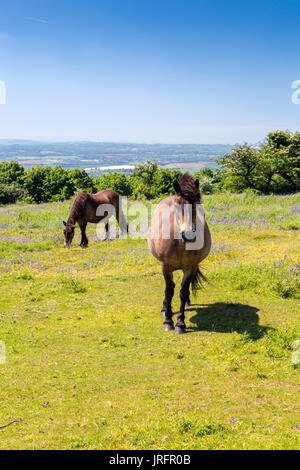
[{"x": 188, "y": 236}]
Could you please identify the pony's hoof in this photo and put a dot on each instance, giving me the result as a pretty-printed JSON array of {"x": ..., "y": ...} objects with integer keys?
[
  {"x": 180, "y": 330},
  {"x": 188, "y": 303},
  {"x": 168, "y": 327}
]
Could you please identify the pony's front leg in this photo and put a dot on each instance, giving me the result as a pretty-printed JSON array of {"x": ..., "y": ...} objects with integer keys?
[
  {"x": 167, "y": 304},
  {"x": 180, "y": 327},
  {"x": 84, "y": 240}
]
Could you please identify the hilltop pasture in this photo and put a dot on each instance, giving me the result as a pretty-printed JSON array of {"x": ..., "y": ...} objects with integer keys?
[{"x": 88, "y": 365}]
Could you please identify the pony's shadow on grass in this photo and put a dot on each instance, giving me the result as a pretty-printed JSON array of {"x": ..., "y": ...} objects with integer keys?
[{"x": 223, "y": 317}]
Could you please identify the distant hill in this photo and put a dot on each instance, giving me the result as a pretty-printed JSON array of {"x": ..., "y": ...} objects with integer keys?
[{"x": 94, "y": 155}]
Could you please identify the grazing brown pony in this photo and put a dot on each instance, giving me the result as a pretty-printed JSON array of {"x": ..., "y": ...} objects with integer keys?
[
  {"x": 84, "y": 210},
  {"x": 172, "y": 250}
]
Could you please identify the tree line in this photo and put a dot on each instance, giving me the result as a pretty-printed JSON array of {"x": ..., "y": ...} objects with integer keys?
[{"x": 273, "y": 166}]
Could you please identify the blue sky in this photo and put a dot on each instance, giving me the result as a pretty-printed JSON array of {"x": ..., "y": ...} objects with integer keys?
[{"x": 178, "y": 71}]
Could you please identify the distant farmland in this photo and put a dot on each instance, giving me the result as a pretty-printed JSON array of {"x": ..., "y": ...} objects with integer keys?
[
  {"x": 95, "y": 155},
  {"x": 191, "y": 166}
]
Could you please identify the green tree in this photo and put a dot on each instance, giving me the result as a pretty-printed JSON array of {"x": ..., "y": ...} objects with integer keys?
[
  {"x": 58, "y": 184},
  {"x": 282, "y": 150},
  {"x": 144, "y": 175},
  {"x": 116, "y": 181},
  {"x": 81, "y": 180},
  {"x": 209, "y": 180},
  {"x": 240, "y": 167},
  {"x": 34, "y": 182},
  {"x": 162, "y": 183},
  {"x": 11, "y": 172}
]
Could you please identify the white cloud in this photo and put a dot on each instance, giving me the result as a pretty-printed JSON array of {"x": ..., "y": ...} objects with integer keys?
[{"x": 37, "y": 20}]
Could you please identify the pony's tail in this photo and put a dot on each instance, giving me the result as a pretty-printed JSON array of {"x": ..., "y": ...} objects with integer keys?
[{"x": 197, "y": 281}]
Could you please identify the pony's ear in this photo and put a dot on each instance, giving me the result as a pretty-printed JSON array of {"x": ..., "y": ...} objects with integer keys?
[
  {"x": 197, "y": 184},
  {"x": 176, "y": 186},
  {"x": 65, "y": 223}
]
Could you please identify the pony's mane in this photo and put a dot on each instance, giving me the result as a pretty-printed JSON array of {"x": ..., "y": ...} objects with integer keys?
[
  {"x": 78, "y": 206},
  {"x": 188, "y": 188}
]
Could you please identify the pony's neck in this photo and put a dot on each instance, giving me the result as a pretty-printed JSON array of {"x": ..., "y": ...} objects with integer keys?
[
  {"x": 78, "y": 208},
  {"x": 72, "y": 219},
  {"x": 73, "y": 216}
]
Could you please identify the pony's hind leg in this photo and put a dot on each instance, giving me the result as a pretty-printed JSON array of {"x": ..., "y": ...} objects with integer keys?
[
  {"x": 167, "y": 304},
  {"x": 188, "y": 300},
  {"x": 180, "y": 327},
  {"x": 107, "y": 232}
]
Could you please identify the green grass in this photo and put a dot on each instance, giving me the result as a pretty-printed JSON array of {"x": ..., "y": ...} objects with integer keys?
[{"x": 89, "y": 367}]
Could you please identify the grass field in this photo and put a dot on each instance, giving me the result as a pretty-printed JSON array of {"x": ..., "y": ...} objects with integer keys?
[{"x": 89, "y": 367}]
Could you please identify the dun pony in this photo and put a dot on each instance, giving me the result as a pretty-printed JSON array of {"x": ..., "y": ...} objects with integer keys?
[{"x": 175, "y": 252}]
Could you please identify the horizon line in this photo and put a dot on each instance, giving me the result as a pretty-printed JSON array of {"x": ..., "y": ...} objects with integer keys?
[{"x": 46, "y": 141}]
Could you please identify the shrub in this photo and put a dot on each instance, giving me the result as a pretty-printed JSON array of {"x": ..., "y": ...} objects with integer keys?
[
  {"x": 207, "y": 429},
  {"x": 279, "y": 342},
  {"x": 11, "y": 193}
]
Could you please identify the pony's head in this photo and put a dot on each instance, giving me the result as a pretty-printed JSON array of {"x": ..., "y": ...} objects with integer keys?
[
  {"x": 187, "y": 196},
  {"x": 69, "y": 231}
]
